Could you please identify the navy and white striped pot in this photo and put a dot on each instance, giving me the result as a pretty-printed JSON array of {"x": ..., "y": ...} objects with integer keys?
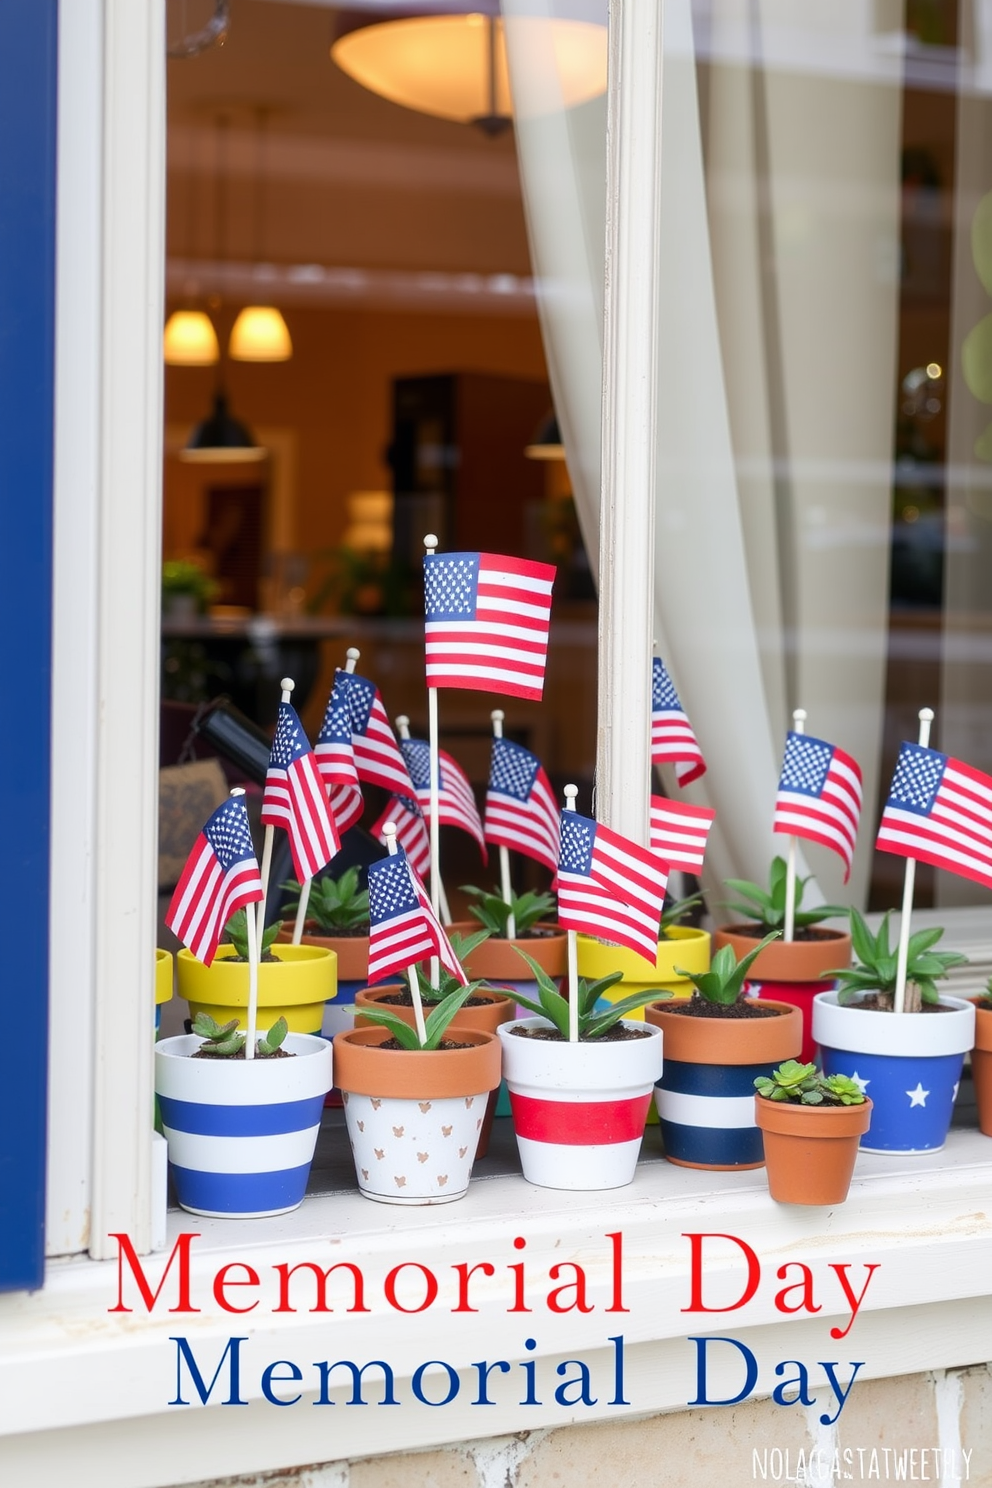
[
  {"x": 909, "y": 1064},
  {"x": 705, "y": 1097},
  {"x": 241, "y": 1132},
  {"x": 579, "y": 1109}
]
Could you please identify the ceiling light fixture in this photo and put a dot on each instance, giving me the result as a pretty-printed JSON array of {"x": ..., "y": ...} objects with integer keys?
[
  {"x": 221, "y": 438},
  {"x": 449, "y": 58},
  {"x": 190, "y": 340},
  {"x": 260, "y": 333}
]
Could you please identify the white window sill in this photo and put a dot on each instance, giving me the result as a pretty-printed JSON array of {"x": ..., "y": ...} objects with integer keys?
[{"x": 82, "y": 1375}]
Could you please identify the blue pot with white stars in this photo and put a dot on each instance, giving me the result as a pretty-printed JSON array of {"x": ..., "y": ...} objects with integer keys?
[{"x": 908, "y": 1063}]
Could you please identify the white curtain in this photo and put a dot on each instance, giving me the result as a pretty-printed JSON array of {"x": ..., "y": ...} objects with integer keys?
[{"x": 779, "y": 251}]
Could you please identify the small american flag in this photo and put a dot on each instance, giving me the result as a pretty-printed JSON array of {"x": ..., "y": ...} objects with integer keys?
[
  {"x": 377, "y": 754},
  {"x": 819, "y": 795},
  {"x": 456, "y": 800},
  {"x": 487, "y": 622},
  {"x": 672, "y": 739},
  {"x": 609, "y": 886},
  {"x": 411, "y": 831},
  {"x": 336, "y": 758},
  {"x": 521, "y": 810},
  {"x": 404, "y": 927},
  {"x": 220, "y": 877},
  {"x": 679, "y": 832},
  {"x": 295, "y": 797},
  {"x": 939, "y": 811}
]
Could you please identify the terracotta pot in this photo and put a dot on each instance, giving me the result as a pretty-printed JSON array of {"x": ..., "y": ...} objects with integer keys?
[
  {"x": 352, "y": 952},
  {"x": 497, "y": 1009},
  {"x": 912, "y": 1063},
  {"x": 791, "y": 972},
  {"x": 810, "y": 1151},
  {"x": 981, "y": 1067},
  {"x": 298, "y": 984},
  {"x": 683, "y": 946},
  {"x": 241, "y": 1132},
  {"x": 414, "y": 1115},
  {"x": 498, "y": 961},
  {"x": 705, "y": 1097},
  {"x": 579, "y": 1109}
]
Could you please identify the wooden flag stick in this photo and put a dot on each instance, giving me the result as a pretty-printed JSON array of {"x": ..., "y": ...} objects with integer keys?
[
  {"x": 403, "y": 729},
  {"x": 287, "y": 684},
  {"x": 430, "y": 547},
  {"x": 909, "y": 884},
  {"x": 799, "y": 727},
  {"x": 301, "y": 910},
  {"x": 497, "y": 716},
  {"x": 389, "y": 832},
  {"x": 571, "y": 791}
]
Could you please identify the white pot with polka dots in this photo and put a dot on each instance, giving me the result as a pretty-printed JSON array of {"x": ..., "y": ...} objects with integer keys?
[{"x": 414, "y": 1116}]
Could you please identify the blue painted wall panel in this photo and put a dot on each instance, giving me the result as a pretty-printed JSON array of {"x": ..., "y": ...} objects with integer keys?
[{"x": 28, "y": 75}]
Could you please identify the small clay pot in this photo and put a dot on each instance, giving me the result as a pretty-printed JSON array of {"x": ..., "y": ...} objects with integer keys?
[
  {"x": 498, "y": 961},
  {"x": 352, "y": 951},
  {"x": 498, "y": 1008},
  {"x": 414, "y": 1115},
  {"x": 981, "y": 1067},
  {"x": 705, "y": 1097},
  {"x": 810, "y": 1151}
]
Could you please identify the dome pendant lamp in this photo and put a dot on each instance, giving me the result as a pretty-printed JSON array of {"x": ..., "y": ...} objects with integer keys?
[
  {"x": 260, "y": 333},
  {"x": 190, "y": 340},
  {"x": 448, "y": 58}
]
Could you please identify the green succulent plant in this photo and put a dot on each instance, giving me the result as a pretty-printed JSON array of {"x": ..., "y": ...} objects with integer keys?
[
  {"x": 335, "y": 905},
  {"x": 236, "y": 931},
  {"x": 724, "y": 982},
  {"x": 493, "y": 911},
  {"x": 766, "y": 907},
  {"x": 803, "y": 1084},
  {"x": 435, "y": 1024},
  {"x": 554, "y": 1006},
  {"x": 674, "y": 914},
  {"x": 225, "y": 1041},
  {"x": 463, "y": 946},
  {"x": 875, "y": 968}
]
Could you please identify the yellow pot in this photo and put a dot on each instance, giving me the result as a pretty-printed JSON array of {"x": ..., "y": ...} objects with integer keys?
[
  {"x": 298, "y": 987},
  {"x": 682, "y": 946},
  {"x": 163, "y": 976}
]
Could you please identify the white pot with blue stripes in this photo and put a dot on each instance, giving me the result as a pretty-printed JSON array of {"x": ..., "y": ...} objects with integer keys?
[{"x": 241, "y": 1133}]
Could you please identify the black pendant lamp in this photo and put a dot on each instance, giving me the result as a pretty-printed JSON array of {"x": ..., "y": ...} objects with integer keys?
[{"x": 221, "y": 438}]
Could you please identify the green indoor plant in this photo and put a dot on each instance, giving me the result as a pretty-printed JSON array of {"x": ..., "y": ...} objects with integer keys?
[
  {"x": 811, "y": 1125},
  {"x": 337, "y": 920},
  {"x": 186, "y": 589},
  {"x": 494, "y": 956}
]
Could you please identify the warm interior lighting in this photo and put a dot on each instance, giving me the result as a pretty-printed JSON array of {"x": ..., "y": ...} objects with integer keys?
[
  {"x": 370, "y": 522},
  {"x": 190, "y": 340},
  {"x": 440, "y": 64},
  {"x": 260, "y": 335}
]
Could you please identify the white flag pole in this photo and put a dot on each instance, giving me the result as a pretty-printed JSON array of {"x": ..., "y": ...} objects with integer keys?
[
  {"x": 301, "y": 910},
  {"x": 571, "y": 791},
  {"x": 799, "y": 727},
  {"x": 403, "y": 729},
  {"x": 497, "y": 716},
  {"x": 287, "y": 684},
  {"x": 909, "y": 884},
  {"x": 252, "y": 982},
  {"x": 389, "y": 832},
  {"x": 430, "y": 547}
]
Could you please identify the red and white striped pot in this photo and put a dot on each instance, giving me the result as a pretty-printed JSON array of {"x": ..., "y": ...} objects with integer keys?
[{"x": 579, "y": 1109}]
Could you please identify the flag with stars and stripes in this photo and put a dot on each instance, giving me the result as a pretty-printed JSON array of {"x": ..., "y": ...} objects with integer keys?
[
  {"x": 295, "y": 797},
  {"x": 377, "y": 755},
  {"x": 404, "y": 928},
  {"x": 487, "y": 619},
  {"x": 411, "y": 831},
  {"x": 939, "y": 811},
  {"x": 455, "y": 800},
  {"x": 679, "y": 832},
  {"x": 336, "y": 758},
  {"x": 220, "y": 877},
  {"x": 672, "y": 739},
  {"x": 819, "y": 795},
  {"x": 521, "y": 810},
  {"x": 610, "y": 887}
]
